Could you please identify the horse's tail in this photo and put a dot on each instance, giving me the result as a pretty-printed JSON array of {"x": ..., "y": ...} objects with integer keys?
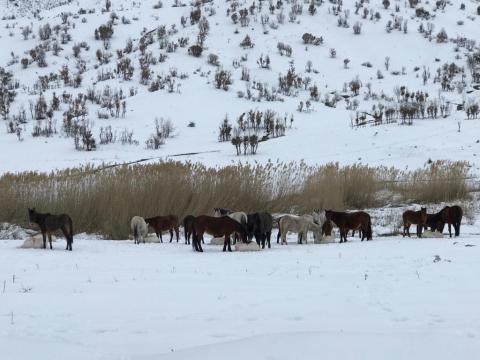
[{"x": 369, "y": 229}]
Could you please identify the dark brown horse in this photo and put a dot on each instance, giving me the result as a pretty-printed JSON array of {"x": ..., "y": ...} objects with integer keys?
[
  {"x": 188, "y": 228},
  {"x": 451, "y": 215},
  {"x": 358, "y": 220},
  {"x": 260, "y": 225},
  {"x": 49, "y": 223},
  {"x": 434, "y": 221},
  {"x": 418, "y": 218},
  {"x": 217, "y": 227},
  {"x": 164, "y": 223}
]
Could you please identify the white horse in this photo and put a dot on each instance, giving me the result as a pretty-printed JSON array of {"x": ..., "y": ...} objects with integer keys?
[
  {"x": 299, "y": 225},
  {"x": 139, "y": 229}
]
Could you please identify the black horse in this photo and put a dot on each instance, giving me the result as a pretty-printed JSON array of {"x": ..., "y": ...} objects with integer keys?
[
  {"x": 49, "y": 223},
  {"x": 260, "y": 225},
  {"x": 188, "y": 228}
]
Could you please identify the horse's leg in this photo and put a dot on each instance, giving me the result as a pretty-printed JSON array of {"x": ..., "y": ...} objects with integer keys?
[
  {"x": 457, "y": 230},
  {"x": 177, "y": 233},
  {"x": 50, "y": 240},
  {"x": 44, "y": 235},
  {"x": 67, "y": 238},
  {"x": 194, "y": 241},
  {"x": 264, "y": 238},
  {"x": 225, "y": 244},
  {"x": 171, "y": 235},
  {"x": 159, "y": 234},
  {"x": 269, "y": 235},
  {"x": 450, "y": 229},
  {"x": 229, "y": 244},
  {"x": 408, "y": 229}
]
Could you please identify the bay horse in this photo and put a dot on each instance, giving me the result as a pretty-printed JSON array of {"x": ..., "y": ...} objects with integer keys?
[
  {"x": 418, "y": 218},
  {"x": 164, "y": 223},
  {"x": 217, "y": 227},
  {"x": 260, "y": 225},
  {"x": 139, "y": 229},
  {"x": 359, "y": 220},
  {"x": 49, "y": 223},
  {"x": 451, "y": 215},
  {"x": 238, "y": 216}
]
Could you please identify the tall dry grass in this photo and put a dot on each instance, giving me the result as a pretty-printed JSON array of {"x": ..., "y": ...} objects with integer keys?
[{"x": 103, "y": 201}]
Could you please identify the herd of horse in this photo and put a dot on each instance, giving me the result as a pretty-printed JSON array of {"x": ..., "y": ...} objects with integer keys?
[{"x": 244, "y": 227}]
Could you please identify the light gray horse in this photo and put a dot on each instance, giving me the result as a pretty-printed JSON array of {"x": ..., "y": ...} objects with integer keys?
[
  {"x": 299, "y": 225},
  {"x": 139, "y": 229}
]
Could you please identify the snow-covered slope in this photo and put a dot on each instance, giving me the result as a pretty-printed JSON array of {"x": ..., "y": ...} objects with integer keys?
[{"x": 322, "y": 134}]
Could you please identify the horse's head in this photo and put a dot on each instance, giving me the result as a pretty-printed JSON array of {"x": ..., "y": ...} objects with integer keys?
[
  {"x": 327, "y": 228},
  {"x": 317, "y": 215},
  {"x": 244, "y": 235},
  {"x": 32, "y": 215},
  {"x": 423, "y": 214}
]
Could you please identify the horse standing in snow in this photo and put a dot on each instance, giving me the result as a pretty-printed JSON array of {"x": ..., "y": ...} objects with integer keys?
[
  {"x": 418, "y": 218},
  {"x": 260, "y": 225},
  {"x": 451, "y": 215},
  {"x": 139, "y": 229},
  {"x": 218, "y": 227},
  {"x": 164, "y": 223},
  {"x": 238, "y": 216},
  {"x": 293, "y": 223},
  {"x": 188, "y": 227},
  {"x": 49, "y": 223},
  {"x": 358, "y": 220}
]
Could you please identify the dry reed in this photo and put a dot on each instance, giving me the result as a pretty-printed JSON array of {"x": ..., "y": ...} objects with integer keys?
[{"x": 103, "y": 201}]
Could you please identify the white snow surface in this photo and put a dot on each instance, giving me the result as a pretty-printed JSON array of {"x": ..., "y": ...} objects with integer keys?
[
  {"x": 389, "y": 298},
  {"x": 323, "y": 135}
]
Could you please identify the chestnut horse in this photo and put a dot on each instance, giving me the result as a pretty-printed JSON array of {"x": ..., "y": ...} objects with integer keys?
[
  {"x": 418, "y": 218},
  {"x": 451, "y": 215},
  {"x": 164, "y": 223},
  {"x": 358, "y": 220},
  {"x": 217, "y": 227}
]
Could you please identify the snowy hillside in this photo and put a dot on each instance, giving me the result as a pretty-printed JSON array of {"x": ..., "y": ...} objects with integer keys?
[{"x": 402, "y": 91}]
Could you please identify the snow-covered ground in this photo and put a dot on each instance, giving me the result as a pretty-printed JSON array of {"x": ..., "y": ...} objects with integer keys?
[{"x": 389, "y": 298}]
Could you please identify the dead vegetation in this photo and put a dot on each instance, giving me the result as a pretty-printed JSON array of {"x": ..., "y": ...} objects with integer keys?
[{"x": 103, "y": 201}]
